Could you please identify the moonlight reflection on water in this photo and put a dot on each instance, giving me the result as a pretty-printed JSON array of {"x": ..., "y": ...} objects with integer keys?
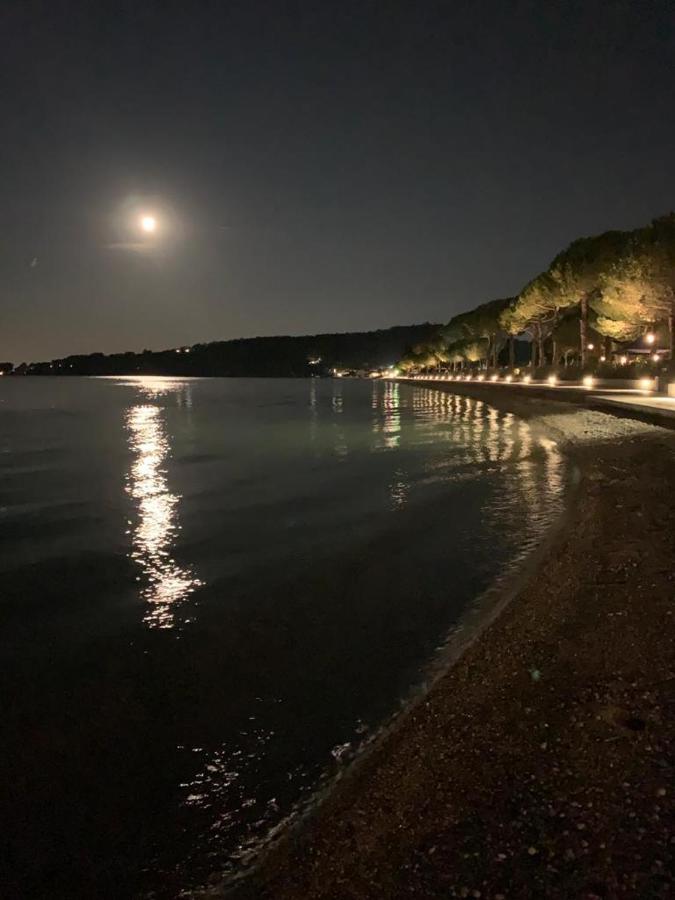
[{"x": 156, "y": 528}]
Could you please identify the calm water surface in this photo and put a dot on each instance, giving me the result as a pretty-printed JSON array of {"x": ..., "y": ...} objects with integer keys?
[{"x": 214, "y": 590}]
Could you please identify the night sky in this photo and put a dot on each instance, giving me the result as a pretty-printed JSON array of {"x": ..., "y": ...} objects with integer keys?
[{"x": 315, "y": 166}]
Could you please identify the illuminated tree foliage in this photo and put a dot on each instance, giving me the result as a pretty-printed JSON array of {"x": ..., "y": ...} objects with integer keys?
[
  {"x": 477, "y": 335},
  {"x": 613, "y": 286},
  {"x": 535, "y": 311},
  {"x": 638, "y": 290},
  {"x": 425, "y": 356}
]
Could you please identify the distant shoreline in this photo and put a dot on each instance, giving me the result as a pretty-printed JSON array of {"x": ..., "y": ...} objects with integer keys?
[
  {"x": 282, "y": 356},
  {"x": 545, "y": 705}
]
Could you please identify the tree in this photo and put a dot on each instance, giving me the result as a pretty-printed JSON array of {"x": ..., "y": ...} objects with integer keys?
[
  {"x": 579, "y": 272},
  {"x": 480, "y": 327},
  {"x": 512, "y": 322},
  {"x": 663, "y": 255},
  {"x": 476, "y": 351},
  {"x": 613, "y": 285},
  {"x": 638, "y": 290},
  {"x": 486, "y": 324},
  {"x": 565, "y": 336},
  {"x": 536, "y": 310}
]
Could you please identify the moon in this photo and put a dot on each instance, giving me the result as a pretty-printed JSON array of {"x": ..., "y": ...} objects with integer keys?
[{"x": 148, "y": 223}]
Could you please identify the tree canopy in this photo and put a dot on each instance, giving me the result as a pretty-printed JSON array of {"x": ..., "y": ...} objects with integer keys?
[{"x": 615, "y": 285}]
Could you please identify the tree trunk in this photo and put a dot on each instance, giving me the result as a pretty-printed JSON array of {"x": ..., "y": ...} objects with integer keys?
[
  {"x": 583, "y": 330},
  {"x": 540, "y": 347},
  {"x": 671, "y": 331},
  {"x": 512, "y": 350},
  {"x": 533, "y": 349},
  {"x": 608, "y": 348},
  {"x": 554, "y": 360}
]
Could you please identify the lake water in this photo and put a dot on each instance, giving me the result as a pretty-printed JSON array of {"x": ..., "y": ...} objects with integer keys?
[{"x": 213, "y": 591}]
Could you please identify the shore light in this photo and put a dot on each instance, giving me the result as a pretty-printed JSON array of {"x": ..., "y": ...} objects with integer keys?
[
  {"x": 603, "y": 358},
  {"x": 646, "y": 384},
  {"x": 655, "y": 357},
  {"x": 650, "y": 337},
  {"x": 527, "y": 379},
  {"x": 588, "y": 381},
  {"x": 481, "y": 378},
  {"x": 590, "y": 346},
  {"x": 552, "y": 380},
  {"x": 508, "y": 378},
  {"x": 494, "y": 377},
  {"x": 623, "y": 360}
]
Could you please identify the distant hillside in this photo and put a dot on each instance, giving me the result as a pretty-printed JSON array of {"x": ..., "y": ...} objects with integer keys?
[{"x": 252, "y": 357}]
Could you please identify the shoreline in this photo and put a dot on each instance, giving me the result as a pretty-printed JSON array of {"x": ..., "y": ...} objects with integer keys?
[{"x": 366, "y": 836}]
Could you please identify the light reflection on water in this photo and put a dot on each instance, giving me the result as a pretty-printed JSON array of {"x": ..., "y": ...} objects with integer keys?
[
  {"x": 165, "y": 583},
  {"x": 391, "y": 424}
]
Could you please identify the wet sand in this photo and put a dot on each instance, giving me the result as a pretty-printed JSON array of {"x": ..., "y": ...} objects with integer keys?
[{"x": 541, "y": 763}]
